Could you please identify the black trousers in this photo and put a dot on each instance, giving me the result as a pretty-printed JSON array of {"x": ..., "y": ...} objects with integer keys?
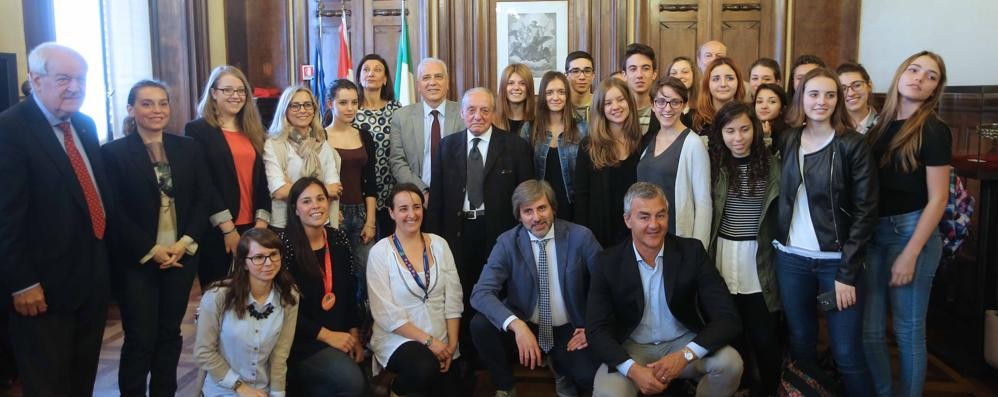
[
  {"x": 57, "y": 352},
  {"x": 493, "y": 345},
  {"x": 474, "y": 253},
  {"x": 759, "y": 344},
  {"x": 153, "y": 303},
  {"x": 214, "y": 264},
  {"x": 418, "y": 373}
]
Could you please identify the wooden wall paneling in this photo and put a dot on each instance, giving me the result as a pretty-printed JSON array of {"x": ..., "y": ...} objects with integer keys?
[
  {"x": 743, "y": 29},
  {"x": 236, "y": 48},
  {"x": 580, "y": 24},
  {"x": 172, "y": 61},
  {"x": 39, "y": 23},
  {"x": 675, "y": 30},
  {"x": 609, "y": 36},
  {"x": 299, "y": 39},
  {"x": 256, "y": 33},
  {"x": 828, "y": 29}
]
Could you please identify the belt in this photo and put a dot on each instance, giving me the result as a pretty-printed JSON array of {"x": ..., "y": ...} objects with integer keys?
[{"x": 472, "y": 214}]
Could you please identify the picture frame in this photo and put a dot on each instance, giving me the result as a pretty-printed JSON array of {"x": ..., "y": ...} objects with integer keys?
[{"x": 534, "y": 33}]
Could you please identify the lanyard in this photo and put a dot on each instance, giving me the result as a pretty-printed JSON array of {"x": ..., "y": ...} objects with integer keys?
[
  {"x": 412, "y": 270},
  {"x": 328, "y": 299}
]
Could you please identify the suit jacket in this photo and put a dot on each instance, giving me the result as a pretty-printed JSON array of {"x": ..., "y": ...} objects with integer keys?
[
  {"x": 138, "y": 197},
  {"x": 222, "y": 170},
  {"x": 46, "y": 235},
  {"x": 513, "y": 268},
  {"x": 695, "y": 292},
  {"x": 508, "y": 162},
  {"x": 408, "y": 140}
]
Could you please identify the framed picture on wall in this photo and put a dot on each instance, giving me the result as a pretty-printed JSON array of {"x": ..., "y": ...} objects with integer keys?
[{"x": 534, "y": 33}]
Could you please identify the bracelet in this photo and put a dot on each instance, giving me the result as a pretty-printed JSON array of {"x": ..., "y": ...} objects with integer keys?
[{"x": 233, "y": 230}]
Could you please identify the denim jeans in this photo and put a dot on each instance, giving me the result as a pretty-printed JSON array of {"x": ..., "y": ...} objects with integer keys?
[
  {"x": 908, "y": 304},
  {"x": 328, "y": 372},
  {"x": 800, "y": 280},
  {"x": 354, "y": 216}
]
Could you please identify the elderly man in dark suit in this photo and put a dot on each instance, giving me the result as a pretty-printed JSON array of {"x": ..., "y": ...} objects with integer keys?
[
  {"x": 543, "y": 266},
  {"x": 659, "y": 310},
  {"x": 56, "y": 206},
  {"x": 418, "y": 128},
  {"x": 474, "y": 175}
]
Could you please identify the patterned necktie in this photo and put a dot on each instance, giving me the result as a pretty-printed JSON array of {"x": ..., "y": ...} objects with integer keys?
[
  {"x": 86, "y": 182},
  {"x": 434, "y": 134},
  {"x": 476, "y": 176},
  {"x": 544, "y": 328}
]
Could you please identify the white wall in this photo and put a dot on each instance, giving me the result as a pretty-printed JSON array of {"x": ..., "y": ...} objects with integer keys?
[{"x": 963, "y": 32}]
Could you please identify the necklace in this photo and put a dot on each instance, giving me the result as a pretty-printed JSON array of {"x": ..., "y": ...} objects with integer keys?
[{"x": 267, "y": 310}]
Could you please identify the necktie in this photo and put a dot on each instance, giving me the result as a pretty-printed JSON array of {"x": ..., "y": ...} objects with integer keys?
[
  {"x": 434, "y": 134},
  {"x": 545, "y": 335},
  {"x": 86, "y": 182},
  {"x": 476, "y": 176}
]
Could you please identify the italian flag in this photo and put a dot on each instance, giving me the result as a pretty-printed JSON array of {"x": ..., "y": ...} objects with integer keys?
[
  {"x": 345, "y": 67},
  {"x": 404, "y": 91}
]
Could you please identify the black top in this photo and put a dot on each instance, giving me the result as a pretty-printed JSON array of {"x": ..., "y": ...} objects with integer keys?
[
  {"x": 515, "y": 126},
  {"x": 599, "y": 195},
  {"x": 311, "y": 316},
  {"x": 552, "y": 174},
  {"x": 902, "y": 192}
]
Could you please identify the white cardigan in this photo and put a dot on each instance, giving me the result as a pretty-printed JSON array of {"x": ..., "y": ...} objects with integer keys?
[{"x": 693, "y": 203}]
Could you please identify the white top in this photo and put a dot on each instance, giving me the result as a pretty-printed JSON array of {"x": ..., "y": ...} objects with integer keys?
[
  {"x": 280, "y": 173},
  {"x": 559, "y": 315},
  {"x": 427, "y": 125},
  {"x": 483, "y": 148},
  {"x": 737, "y": 264},
  {"x": 396, "y": 299},
  {"x": 803, "y": 240}
]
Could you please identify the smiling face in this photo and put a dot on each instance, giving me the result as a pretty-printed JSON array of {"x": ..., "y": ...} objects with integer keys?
[
  {"x": 555, "y": 95},
  {"x": 640, "y": 74},
  {"x": 723, "y": 83},
  {"x": 300, "y": 111},
  {"x": 345, "y": 105},
  {"x": 433, "y": 83},
  {"x": 737, "y": 135},
  {"x": 820, "y": 96},
  {"x": 63, "y": 86},
  {"x": 683, "y": 71},
  {"x": 266, "y": 271},
  {"x": 407, "y": 212},
  {"x": 919, "y": 80},
  {"x": 312, "y": 207},
  {"x": 615, "y": 106},
  {"x": 856, "y": 91},
  {"x": 667, "y": 109},
  {"x": 767, "y": 105},
  {"x": 372, "y": 75},
  {"x": 648, "y": 220},
  {"x": 516, "y": 89},
  {"x": 537, "y": 217},
  {"x": 761, "y": 75},
  {"x": 151, "y": 110},
  {"x": 232, "y": 103},
  {"x": 580, "y": 74}
]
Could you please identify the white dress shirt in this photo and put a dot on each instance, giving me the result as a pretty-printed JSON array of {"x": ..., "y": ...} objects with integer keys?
[
  {"x": 483, "y": 148},
  {"x": 427, "y": 126},
  {"x": 559, "y": 316}
]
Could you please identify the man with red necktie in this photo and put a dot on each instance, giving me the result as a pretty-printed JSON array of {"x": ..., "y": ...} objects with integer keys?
[{"x": 52, "y": 239}]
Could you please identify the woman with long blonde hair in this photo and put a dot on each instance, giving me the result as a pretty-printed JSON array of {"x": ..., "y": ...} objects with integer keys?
[
  {"x": 912, "y": 150},
  {"x": 607, "y": 164},
  {"x": 514, "y": 98}
]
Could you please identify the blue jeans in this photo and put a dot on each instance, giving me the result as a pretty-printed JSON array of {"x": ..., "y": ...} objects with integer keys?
[
  {"x": 908, "y": 304},
  {"x": 329, "y": 372},
  {"x": 354, "y": 216},
  {"x": 800, "y": 280}
]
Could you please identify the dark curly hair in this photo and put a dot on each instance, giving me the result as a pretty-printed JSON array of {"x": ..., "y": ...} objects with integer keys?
[{"x": 722, "y": 159}]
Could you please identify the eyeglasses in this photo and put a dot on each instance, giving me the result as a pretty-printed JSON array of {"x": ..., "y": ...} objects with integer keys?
[
  {"x": 575, "y": 72},
  {"x": 259, "y": 260},
  {"x": 63, "y": 80},
  {"x": 856, "y": 86},
  {"x": 228, "y": 91},
  {"x": 301, "y": 106},
  {"x": 661, "y": 102}
]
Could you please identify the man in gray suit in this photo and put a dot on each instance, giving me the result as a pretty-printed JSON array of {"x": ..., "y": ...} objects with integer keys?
[
  {"x": 418, "y": 128},
  {"x": 543, "y": 265}
]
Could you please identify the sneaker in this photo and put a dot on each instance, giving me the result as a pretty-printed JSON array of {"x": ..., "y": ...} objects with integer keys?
[{"x": 506, "y": 393}]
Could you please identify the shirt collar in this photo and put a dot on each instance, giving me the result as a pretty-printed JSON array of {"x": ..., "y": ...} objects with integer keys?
[
  {"x": 48, "y": 115},
  {"x": 549, "y": 235},
  {"x": 869, "y": 117},
  {"x": 484, "y": 137},
  {"x": 270, "y": 299},
  {"x": 440, "y": 108},
  {"x": 661, "y": 252}
]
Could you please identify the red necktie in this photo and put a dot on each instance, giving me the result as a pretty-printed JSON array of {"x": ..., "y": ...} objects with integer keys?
[
  {"x": 434, "y": 134},
  {"x": 86, "y": 183}
]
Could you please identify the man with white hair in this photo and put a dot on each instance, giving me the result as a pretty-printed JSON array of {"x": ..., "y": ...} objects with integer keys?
[
  {"x": 418, "y": 128},
  {"x": 52, "y": 240}
]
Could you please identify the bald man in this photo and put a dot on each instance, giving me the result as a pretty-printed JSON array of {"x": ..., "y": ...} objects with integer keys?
[{"x": 710, "y": 51}]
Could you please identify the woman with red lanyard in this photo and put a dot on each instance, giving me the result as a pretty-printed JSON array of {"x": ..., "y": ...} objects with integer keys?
[
  {"x": 231, "y": 133},
  {"x": 327, "y": 348}
]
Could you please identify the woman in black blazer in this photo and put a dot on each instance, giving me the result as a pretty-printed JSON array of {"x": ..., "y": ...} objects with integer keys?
[
  {"x": 158, "y": 178},
  {"x": 232, "y": 135}
]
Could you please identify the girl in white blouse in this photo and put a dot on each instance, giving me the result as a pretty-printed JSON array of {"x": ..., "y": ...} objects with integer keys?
[
  {"x": 415, "y": 301},
  {"x": 246, "y": 323}
]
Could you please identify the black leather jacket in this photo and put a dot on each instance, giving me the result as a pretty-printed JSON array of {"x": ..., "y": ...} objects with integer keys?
[{"x": 841, "y": 192}]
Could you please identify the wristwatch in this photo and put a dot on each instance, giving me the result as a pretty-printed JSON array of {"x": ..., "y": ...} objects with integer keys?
[
  {"x": 688, "y": 355},
  {"x": 235, "y": 386},
  {"x": 428, "y": 341}
]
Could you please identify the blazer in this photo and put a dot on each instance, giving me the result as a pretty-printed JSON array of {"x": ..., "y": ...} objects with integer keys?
[
  {"x": 507, "y": 163},
  {"x": 408, "y": 140},
  {"x": 695, "y": 292},
  {"x": 222, "y": 170},
  {"x": 512, "y": 268},
  {"x": 138, "y": 196},
  {"x": 46, "y": 235}
]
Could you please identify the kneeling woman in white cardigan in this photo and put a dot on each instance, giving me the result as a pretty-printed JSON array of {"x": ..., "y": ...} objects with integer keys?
[{"x": 249, "y": 317}]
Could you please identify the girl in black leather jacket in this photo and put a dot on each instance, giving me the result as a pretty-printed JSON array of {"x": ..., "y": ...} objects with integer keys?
[{"x": 827, "y": 210}]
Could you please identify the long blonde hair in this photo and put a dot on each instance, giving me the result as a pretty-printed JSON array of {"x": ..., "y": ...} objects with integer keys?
[
  {"x": 280, "y": 127},
  {"x": 248, "y": 118},
  {"x": 602, "y": 144},
  {"x": 504, "y": 106},
  {"x": 906, "y": 144}
]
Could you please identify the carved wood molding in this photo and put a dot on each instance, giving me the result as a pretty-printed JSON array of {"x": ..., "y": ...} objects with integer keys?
[
  {"x": 388, "y": 12},
  {"x": 742, "y": 7},
  {"x": 678, "y": 7},
  {"x": 333, "y": 13}
]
